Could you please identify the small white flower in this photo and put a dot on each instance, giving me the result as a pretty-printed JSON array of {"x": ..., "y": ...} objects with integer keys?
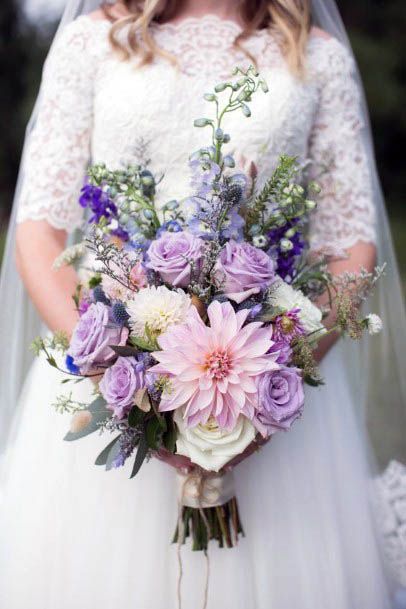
[
  {"x": 374, "y": 323},
  {"x": 287, "y": 298},
  {"x": 157, "y": 308},
  {"x": 208, "y": 445},
  {"x": 70, "y": 255},
  {"x": 286, "y": 245}
]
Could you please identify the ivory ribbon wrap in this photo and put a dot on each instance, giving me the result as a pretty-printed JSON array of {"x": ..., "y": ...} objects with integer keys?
[{"x": 205, "y": 490}]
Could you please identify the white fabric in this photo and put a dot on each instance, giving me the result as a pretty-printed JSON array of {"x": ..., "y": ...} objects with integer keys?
[
  {"x": 74, "y": 535},
  {"x": 304, "y": 498}
]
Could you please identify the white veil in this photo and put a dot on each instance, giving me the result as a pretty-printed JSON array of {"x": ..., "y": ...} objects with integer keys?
[{"x": 377, "y": 364}]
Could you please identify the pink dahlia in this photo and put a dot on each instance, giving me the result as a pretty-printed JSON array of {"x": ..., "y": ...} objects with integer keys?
[{"x": 212, "y": 369}]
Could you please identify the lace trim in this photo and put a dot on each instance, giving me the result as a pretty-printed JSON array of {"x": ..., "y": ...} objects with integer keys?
[{"x": 390, "y": 497}]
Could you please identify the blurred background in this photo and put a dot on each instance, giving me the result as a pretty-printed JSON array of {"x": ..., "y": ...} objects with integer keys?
[{"x": 377, "y": 31}]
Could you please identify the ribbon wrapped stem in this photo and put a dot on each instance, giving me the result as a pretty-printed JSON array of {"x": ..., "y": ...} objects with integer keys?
[{"x": 208, "y": 511}]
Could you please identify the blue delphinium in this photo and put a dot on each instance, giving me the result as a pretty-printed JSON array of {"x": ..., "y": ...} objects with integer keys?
[
  {"x": 287, "y": 245},
  {"x": 205, "y": 172},
  {"x": 233, "y": 227},
  {"x": 71, "y": 366},
  {"x": 99, "y": 203},
  {"x": 171, "y": 226}
]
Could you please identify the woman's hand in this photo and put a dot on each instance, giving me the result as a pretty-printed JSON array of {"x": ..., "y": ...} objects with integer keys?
[{"x": 38, "y": 244}]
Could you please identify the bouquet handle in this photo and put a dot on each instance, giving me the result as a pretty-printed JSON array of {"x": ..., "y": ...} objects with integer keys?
[{"x": 208, "y": 509}]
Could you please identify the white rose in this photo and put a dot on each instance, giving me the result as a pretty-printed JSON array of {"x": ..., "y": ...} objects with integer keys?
[
  {"x": 208, "y": 445},
  {"x": 374, "y": 323},
  {"x": 285, "y": 297}
]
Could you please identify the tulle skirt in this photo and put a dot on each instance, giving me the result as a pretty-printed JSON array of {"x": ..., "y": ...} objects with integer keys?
[{"x": 76, "y": 537}]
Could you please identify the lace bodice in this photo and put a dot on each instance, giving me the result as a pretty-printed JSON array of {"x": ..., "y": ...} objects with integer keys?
[{"x": 95, "y": 107}]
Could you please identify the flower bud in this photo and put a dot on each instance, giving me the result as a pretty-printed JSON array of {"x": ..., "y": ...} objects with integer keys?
[
  {"x": 202, "y": 122},
  {"x": 374, "y": 324},
  {"x": 147, "y": 213},
  {"x": 219, "y": 134},
  {"x": 310, "y": 205},
  {"x": 245, "y": 110},
  {"x": 221, "y": 87},
  {"x": 210, "y": 97},
  {"x": 286, "y": 245},
  {"x": 229, "y": 161},
  {"x": 260, "y": 241}
]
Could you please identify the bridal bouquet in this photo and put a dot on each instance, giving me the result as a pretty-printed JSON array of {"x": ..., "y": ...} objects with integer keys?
[{"x": 199, "y": 320}]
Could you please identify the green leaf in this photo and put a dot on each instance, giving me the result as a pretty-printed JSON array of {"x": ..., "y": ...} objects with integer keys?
[
  {"x": 135, "y": 417},
  {"x": 51, "y": 361},
  {"x": 142, "y": 452},
  {"x": 152, "y": 433},
  {"x": 169, "y": 439},
  {"x": 313, "y": 382},
  {"x": 124, "y": 351},
  {"x": 102, "y": 458},
  {"x": 142, "y": 344},
  {"x": 95, "y": 281}
]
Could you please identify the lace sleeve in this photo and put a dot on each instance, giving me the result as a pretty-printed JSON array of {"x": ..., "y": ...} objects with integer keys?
[
  {"x": 58, "y": 148},
  {"x": 340, "y": 164}
]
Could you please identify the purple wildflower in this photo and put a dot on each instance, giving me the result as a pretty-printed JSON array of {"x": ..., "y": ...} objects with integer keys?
[
  {"x": 95, "y": 199},
  {"x": 286, "y": 261},
  {"x": 287, "y": 326}
]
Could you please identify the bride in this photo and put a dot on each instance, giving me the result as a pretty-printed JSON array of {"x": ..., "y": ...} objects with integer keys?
[{"x": 128, "y": 79}]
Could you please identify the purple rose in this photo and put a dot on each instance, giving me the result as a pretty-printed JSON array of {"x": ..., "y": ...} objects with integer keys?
[
  {"x": 281, "y": 400},
  {"x": 92, "y": 337},
  {"x": 172, "y": 254},
  {"x": 120, "y": 383},
  {"x": 243, "y": 270}
]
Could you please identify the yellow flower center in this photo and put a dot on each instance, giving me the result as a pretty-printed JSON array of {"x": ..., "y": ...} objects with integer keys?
[{"x": 287, "y": 324}]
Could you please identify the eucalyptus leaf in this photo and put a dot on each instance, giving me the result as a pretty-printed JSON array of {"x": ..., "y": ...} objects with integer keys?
[
  {"x": 113, "y": 453},
  {"x": 98, "y": 405},
  {"x": 142, "y": 452},
  {"x": 97, "y": 419},
  {"x": 102, "y": 458}
]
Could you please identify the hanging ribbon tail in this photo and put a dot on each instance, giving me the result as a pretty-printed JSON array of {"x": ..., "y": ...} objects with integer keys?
[{"x": 208, "y": 510}]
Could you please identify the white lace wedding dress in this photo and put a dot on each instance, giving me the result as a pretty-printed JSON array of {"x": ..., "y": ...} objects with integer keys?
[{"x": 77, "y": 537}]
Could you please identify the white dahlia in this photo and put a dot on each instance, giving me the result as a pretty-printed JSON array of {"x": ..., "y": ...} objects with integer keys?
[{"x": 157, "y": 308}]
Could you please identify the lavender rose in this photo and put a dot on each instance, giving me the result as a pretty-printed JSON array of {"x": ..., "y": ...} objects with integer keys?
[
  {"x": 120, "y": 384},
  {"x": 92, "y": 337},
  {"x": 281, "y": 400},
  {"x": 243, "y": 270},
  {"x": 171, "y": 256}
]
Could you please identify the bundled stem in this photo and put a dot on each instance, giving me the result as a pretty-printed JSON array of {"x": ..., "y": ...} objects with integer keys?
[{"x": 221, "y": 523}]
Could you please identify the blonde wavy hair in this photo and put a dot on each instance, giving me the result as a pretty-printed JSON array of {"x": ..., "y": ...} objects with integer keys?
[{"x": 289, "y": 20}]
